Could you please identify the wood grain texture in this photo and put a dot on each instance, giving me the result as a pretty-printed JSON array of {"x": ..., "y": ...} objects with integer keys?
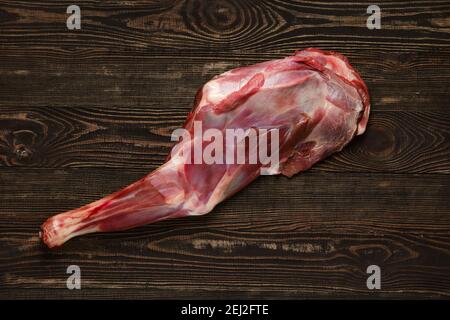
[
  {"x": 142, "y": 52},
  {"x": 274, "y": 25},
  {"x": 86, "y": 112},
  {"x": 171, "y": 80},
  {"x": 140, "y": 138},
  {"x": 315, "y": 241}
]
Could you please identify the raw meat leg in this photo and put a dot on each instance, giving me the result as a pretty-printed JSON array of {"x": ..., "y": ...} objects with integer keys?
[{"x": 314, "y": 100}]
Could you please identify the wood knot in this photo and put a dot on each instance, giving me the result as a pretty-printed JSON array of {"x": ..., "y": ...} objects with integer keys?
[
  {"x": 379, "y": 141},
  {"x": 21, "y": 137},
  {"x": 219, "y": 21},
  {"x": 216, "y": 17},
  {"x": 221, "y": 14},
  {"x": 22, "y": 152}
]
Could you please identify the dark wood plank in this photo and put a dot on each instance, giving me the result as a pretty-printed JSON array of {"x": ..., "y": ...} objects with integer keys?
[
  {"x": 315, "y": 242},
  {"x": 139, "y": 137},
  {"x": 400, "y": 81},
  {"x": 83, "y": 113},
  {"x": 208, "y": 26},
  {"x": 146, "y": 52}
]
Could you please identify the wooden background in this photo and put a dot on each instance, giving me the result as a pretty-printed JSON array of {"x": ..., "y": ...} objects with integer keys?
[{"x": 86, "y": 112}]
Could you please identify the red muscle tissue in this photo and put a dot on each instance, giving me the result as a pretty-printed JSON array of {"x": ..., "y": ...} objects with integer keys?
[{"x": 314, "y": 99}]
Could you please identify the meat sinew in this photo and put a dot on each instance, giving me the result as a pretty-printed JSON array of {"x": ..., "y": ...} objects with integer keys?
[{"x": 315, "y": 102}]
